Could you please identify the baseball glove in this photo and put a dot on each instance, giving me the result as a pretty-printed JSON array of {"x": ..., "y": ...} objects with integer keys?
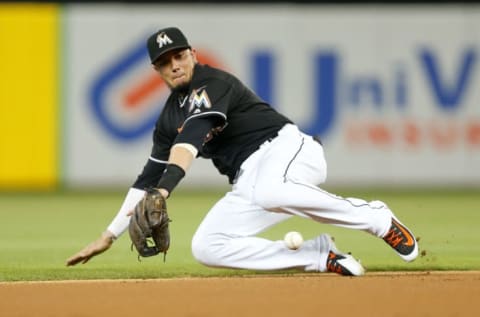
[{"x": 148, "y": 222}]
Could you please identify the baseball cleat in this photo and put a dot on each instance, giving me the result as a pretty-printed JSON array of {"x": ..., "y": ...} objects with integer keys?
[
  {"x": 401, "y": 239},
  {"x": 341, "y": 263}
]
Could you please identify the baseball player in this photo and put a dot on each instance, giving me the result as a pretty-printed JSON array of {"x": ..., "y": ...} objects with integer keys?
[{"x": 274, "y": 169}]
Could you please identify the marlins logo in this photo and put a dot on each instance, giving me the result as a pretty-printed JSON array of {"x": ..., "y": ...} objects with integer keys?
[
  {"x": 163, "y": 39},
  {"x": 199, "y": 100}
]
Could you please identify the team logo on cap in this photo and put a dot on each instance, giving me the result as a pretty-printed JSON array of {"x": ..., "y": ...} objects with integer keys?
[{"x": 163, "y": 39}]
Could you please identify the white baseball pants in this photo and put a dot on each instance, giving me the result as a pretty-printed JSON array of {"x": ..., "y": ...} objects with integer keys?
[{"x": 276, "y": 182}]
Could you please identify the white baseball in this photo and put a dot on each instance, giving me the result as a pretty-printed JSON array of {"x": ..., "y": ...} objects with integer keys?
[{"x": 293, "y": 240}]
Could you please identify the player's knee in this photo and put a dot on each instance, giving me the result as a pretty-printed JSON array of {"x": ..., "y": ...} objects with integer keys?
[{"x": 206, "y": 249}]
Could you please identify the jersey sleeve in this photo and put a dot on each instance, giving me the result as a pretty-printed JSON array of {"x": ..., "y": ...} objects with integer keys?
[
  {"x": 162, "y": 141},
  {"x": 157, "y": 161},
  {"x": 150, "y": 175},
  {"x": 196, "y": 132}
]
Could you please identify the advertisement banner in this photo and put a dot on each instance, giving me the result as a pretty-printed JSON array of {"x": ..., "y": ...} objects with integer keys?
[
  {"x": 29, "y": 60},
  {"x": 391, "y": 91}
]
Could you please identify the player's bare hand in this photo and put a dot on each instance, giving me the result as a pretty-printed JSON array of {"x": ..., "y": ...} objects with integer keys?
[{"x": 96, "y": 247}]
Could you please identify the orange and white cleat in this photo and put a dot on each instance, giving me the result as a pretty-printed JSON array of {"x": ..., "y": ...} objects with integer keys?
[
  {"x": 341, "y": 263},
  {"x": 402, "y": 240}
]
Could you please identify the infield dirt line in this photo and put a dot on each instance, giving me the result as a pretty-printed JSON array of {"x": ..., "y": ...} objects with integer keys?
[{"x": 260, "y": 276}]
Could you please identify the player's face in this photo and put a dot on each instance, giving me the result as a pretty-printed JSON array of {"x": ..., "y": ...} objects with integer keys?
[{"x": 176, "y": 67}]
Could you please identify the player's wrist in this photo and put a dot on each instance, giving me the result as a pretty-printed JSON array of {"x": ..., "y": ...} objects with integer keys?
[
  {"x": 163, "y": 192},
  {"x": 172, "y": 175},
  {"x": 108, "y": 236}
]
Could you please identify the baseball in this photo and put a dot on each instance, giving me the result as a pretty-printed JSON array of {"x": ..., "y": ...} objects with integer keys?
[{"x": 293, "y": 240}]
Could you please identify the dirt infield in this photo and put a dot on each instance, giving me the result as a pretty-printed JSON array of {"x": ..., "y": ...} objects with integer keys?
[{"x": 376, "y": 294}]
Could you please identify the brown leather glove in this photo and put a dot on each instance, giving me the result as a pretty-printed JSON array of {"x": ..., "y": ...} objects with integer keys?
[{"x": 148, "y": 222}]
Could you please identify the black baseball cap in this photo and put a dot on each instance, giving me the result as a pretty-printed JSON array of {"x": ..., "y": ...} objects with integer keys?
[{"x": 165, "y": 40}]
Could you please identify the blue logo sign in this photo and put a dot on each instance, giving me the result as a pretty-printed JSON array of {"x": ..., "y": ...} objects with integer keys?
[
  {"x": 447, "y": 93},
  {"x": 105, "y": 85}
]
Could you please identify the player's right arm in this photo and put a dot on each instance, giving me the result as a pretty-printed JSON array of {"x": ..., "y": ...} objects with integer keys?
[
  {"x": 121, "y": 221},
  {"x": 149, "y": 177},
  {"x": 98, "y": 246}
]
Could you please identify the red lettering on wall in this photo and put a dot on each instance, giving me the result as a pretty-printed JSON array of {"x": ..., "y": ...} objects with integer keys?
[
  {"x": 443, "y": 134},
  {"x": 437, "y": 134},
  {"x": 473, "y": 134},
  {"x": 411, "y": 134},
  {"x": 379, "y": 134}
]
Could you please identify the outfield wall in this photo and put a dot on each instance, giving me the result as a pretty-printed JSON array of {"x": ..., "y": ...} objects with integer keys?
[
  {"x": 29, "y": 90},
  {"x": 393, "y": 90}
]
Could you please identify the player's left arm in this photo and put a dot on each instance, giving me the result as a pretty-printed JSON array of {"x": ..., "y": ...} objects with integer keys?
[
  {"x": 208, "y": 112},
  {"x": 184, "y": 151}
]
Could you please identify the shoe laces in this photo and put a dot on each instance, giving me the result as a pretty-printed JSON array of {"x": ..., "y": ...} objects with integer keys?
[{"x": 394, "y": 237}]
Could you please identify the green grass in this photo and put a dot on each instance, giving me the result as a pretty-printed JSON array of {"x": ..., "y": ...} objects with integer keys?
[{"x": 38, "y": 232}]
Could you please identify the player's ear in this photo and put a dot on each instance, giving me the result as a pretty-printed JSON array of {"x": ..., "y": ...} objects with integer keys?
[
  {"x": 194, "y": 55},
  {"x": 155, "y": 68}
]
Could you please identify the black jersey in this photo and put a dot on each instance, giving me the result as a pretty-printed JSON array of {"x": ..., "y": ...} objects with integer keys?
[{"x": 242, "y": 122}]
